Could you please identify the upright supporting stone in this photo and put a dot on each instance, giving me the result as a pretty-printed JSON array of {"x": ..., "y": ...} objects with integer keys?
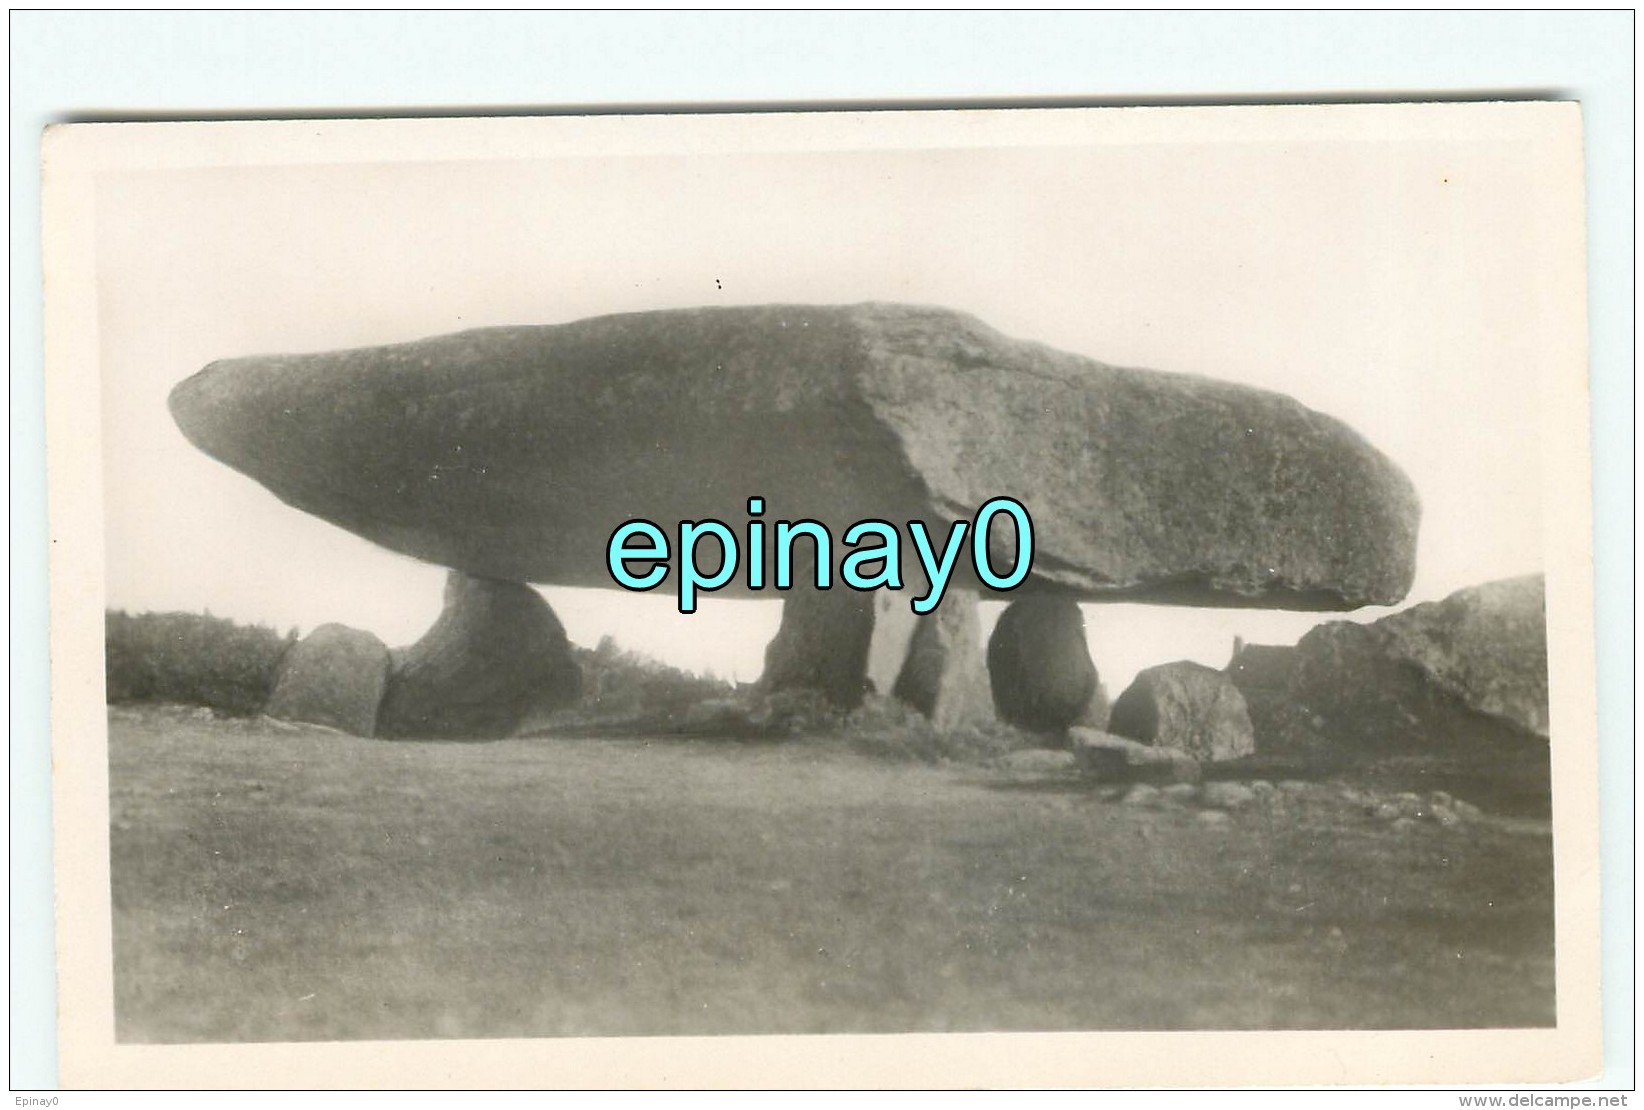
[
  {"x": 943, "y": 676},
  {"x": 496, "y": 654},
  {"x": 1039, "y": 664},
  {"x": 823, "y": 644},
  {"x": 844, "y": 643},
  {"x": 893, "y": 630}
]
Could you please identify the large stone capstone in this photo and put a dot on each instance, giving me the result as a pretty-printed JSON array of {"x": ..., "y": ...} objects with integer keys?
[
  {"x": 514, "y": 452},
  {"x": 496, "y": 654}
]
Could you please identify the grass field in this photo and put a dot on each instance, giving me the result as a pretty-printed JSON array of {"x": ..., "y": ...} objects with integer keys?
[{"x": 280, "y": 883}]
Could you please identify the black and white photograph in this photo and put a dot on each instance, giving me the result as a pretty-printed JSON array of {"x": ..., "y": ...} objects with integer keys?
[{"x": 1061, "y": 571}]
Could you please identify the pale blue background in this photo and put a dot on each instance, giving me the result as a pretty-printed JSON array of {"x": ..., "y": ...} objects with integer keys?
[{"x": 184, "y": 65}]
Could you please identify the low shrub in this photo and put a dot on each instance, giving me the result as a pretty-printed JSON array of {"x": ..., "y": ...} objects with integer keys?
[
  {"x": 635, "y": 691},
  {"x": 890, "y": 729},
  {"x": 192, "y": 659}
]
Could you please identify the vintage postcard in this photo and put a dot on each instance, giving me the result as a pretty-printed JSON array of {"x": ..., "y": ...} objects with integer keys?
[{"x": 1004, "y": 598}]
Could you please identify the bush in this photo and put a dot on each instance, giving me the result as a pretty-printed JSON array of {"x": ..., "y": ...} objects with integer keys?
[
  {"x": 883, "y": 727},
  {"x": 628, "y": 692},
  {"x": 192, "y": 659},
  {"x": 632, "y": 689},
  {"x": 889, "y": 728},
  {"x": 755, "y": 714}
]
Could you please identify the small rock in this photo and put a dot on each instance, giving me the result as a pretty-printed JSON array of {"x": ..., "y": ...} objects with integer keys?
[
  {"x": 1444, "y": 815},
  {"x": 1402, "y": 825},
  {"x": 1387, "y": 811},
  {"x": 1186, "y": 706},
  {"x": 1039, "y": 761},
  {"x": 1214, "y": 817},
  {"x": 1226, "y": 795},
  {"x": 1117, "y": 759},
  {"x": 1179, "y": 791},
  {"x": 1142, "y": 795}
]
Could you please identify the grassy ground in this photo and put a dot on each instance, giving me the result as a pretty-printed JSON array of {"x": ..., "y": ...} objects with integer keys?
[{"x": 283, "y": 883}]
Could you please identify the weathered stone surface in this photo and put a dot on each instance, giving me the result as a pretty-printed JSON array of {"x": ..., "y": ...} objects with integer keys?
[
  {"x": 1486, "y": 646},
  {"x": 334, "y": 676},
  {"x": 496, "y": 654},
  {"x": 845, "y": 643},
  {"x": 514, "y": 453},
  {"x": 1282, "y": 724},
  {"x": 943, "y": 676},
  {"x": 1187, "y": 706},
  {"x": 822, "y": 644},
  {"x": 1468, "y": 672},
  {"x": 894, "y": 624},
  {"x": 1109, "y": 758},
  {"x": 1039, "y": 663}
]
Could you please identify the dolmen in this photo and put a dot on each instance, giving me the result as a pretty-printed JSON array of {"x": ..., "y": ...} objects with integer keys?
[{"x": 512, "y": 454}]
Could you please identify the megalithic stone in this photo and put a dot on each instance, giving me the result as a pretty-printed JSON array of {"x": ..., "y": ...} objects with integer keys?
[
  {"x": 514, "y": 453},
  {"x": 1039, "y": 664},
  {"x": 334, "y": 676},
  {"x": 823, "y": 644},
  {"x": 1187, "y": 706},
  {"x": 943, "y": 676},
  {"x": 496, "y": 654},
  {"x": 844, "y": 644}
]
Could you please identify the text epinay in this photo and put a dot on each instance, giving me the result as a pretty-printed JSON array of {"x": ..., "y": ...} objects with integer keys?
[{"x": 874, "y": 561}]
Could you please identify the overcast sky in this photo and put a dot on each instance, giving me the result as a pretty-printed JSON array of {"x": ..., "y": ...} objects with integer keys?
[{"x": 1394, "y": 276}]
